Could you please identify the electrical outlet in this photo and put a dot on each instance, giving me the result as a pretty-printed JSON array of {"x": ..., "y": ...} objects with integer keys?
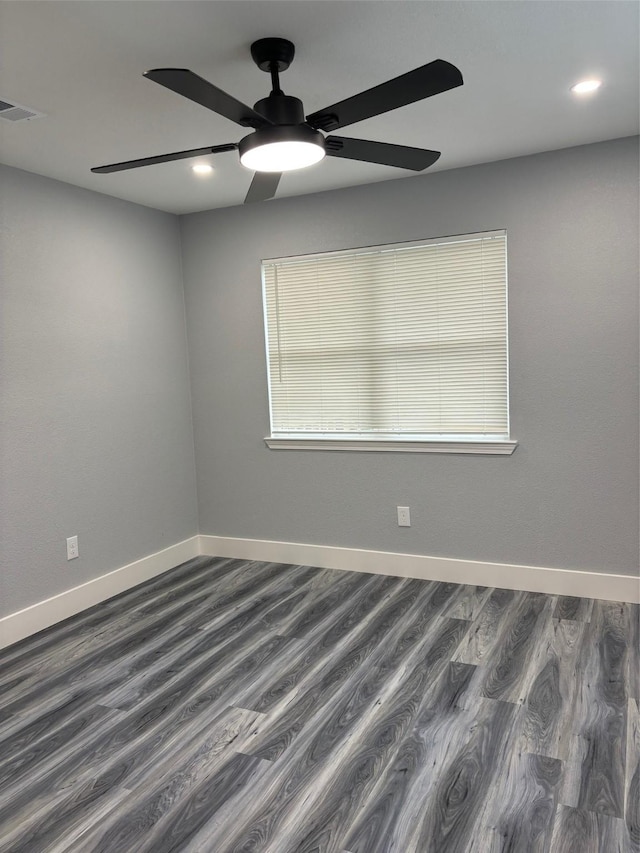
[
  {"x": 72, "y": 548},
  {"x": 404, "y": 517}
]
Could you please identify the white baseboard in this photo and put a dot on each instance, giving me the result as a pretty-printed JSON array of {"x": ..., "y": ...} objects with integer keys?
[
  {"x": 584, "y": 584},
  {"x": 45, "y": 613}
]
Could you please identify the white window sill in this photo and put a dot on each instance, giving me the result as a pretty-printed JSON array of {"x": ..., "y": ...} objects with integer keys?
[{"x": 502, "y": 447}]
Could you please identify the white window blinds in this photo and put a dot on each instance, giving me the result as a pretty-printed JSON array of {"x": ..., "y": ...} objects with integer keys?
[{"x": 397, "y": 341}]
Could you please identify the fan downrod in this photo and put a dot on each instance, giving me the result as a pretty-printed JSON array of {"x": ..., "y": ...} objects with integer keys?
[{"x": 271, "y": 54}]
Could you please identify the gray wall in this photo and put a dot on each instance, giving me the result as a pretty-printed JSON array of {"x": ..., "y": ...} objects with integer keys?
[
  {"x": 568, "y": 497},
  {"x": 96, "y": 418},
  {"x": 96, "y": 415}
]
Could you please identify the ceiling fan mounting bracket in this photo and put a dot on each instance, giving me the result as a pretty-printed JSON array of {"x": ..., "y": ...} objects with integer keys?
[{"x": 270, "y": 52}]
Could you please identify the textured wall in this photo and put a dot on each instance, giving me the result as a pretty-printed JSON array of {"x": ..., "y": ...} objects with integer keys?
[
  {"x": 96, "y": 419},
  {"x": 568, "y": 497}
]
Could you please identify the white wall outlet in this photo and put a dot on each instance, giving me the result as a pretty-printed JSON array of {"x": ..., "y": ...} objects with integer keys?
[
  {"x": 72, "y": 548},
  {"x": 404, "y": 517}
]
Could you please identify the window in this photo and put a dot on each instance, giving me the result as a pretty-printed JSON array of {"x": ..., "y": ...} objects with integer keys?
[{"x": 400, "y": 347}]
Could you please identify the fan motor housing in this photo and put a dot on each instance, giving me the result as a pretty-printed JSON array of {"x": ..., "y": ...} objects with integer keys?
[{"x": 281, "y": 109}]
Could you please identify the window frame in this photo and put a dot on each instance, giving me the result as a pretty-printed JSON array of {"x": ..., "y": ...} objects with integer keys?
[{"x": 386, "y": 442}]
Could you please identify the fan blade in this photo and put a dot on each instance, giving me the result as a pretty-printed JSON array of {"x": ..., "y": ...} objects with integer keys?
[
  {"x": 263, "y": 186},
  {"x": 163, "y": 158},
  {"x": 431, "y": 79},
  {"x": 384, "y": 153},
  {"x": 189, "y": 85}
]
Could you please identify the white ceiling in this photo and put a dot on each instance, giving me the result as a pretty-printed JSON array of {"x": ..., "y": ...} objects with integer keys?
[{"x": 81, "y": 63}]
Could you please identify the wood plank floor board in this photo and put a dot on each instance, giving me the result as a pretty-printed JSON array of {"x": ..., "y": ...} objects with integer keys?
[
  {"x": 634, "y": 653},
  {"x": 287, "y": 716},
  {"x": 57, "y": 667},
  {"x": 484, "y": 632},
  {"x": 231, "y": 577},
  {"x": 354, "y": 637},
  {"x": 292, "y": 606},
  {"x": 391, "y": 627},
  {"x": 632, "y": 768},
  {"x": 180, "y": 783},
  {"x": 183, "y": 578},
  {"x": 233, "y": 706},
  {"x": 577, "y": 609},
  {"x": 583, "y": 831},
  {"x": 218, "y": 577},
  {"x": 24, "y": 760},
  {"x": 457, "y": 796},
  {"x": 322, "y": 824},
  {"x": 334, "y": 728},
  {"x": 127, "y": 741},
  {"x": 58, "y": 829},
  {"x": 326, "y": 751},
  {"x": 601, "y": 712},
  {"x": 86, "y": 626},
  {"x": 520, "y": 817},
  {"x": 325, "y": 672},
  {"x": 332, "y": 597},
  {"x": 269, "y": 586},
  {"x": 241, "y": 619},
  {"x": 550, "y": 695},
  {"x": 116, "y": 649},
  {"x": 381, "y": 820},
  {"x": 506, "y": 671},
  {"x": 115, "y": 759},
  {"x": 236, "y": 619},
  {"x": 51, "y": 701},
  {"x": 24, "y": 731},
  {"x": 469, "y": 603}
]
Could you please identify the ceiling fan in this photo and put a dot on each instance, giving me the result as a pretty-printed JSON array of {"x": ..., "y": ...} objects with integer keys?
[{"x": 282, "y": 138}]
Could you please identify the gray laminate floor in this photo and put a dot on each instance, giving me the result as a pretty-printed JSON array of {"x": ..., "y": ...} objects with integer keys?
[{"x": 238, "y": 706}]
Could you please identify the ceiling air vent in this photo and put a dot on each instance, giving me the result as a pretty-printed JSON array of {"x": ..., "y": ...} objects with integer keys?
[{"x": 17, "y": 112}]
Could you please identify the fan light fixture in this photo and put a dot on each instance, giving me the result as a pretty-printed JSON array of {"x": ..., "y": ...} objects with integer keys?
[
  {"x": 284, "y": 137},
  {"x": 282, "y": 149},
  {"x": 585, "y": 87}
]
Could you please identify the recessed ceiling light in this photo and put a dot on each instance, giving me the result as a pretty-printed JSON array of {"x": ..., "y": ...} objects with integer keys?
[
  {"x": 202, "y": 169},
  {"x": 584, "y": 87}
]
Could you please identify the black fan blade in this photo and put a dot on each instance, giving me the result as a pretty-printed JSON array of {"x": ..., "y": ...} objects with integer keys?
[
  {"x": 197, "y": 89},
  {"x": 263, "y": 186},
  {"x": 384, "y": 153},
  {"x": 438, "y": 76},
  {"x": 163, "y": 158}
]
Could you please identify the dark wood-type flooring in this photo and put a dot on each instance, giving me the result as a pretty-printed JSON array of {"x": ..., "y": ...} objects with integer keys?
[{"x": 240, "y": 706}]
